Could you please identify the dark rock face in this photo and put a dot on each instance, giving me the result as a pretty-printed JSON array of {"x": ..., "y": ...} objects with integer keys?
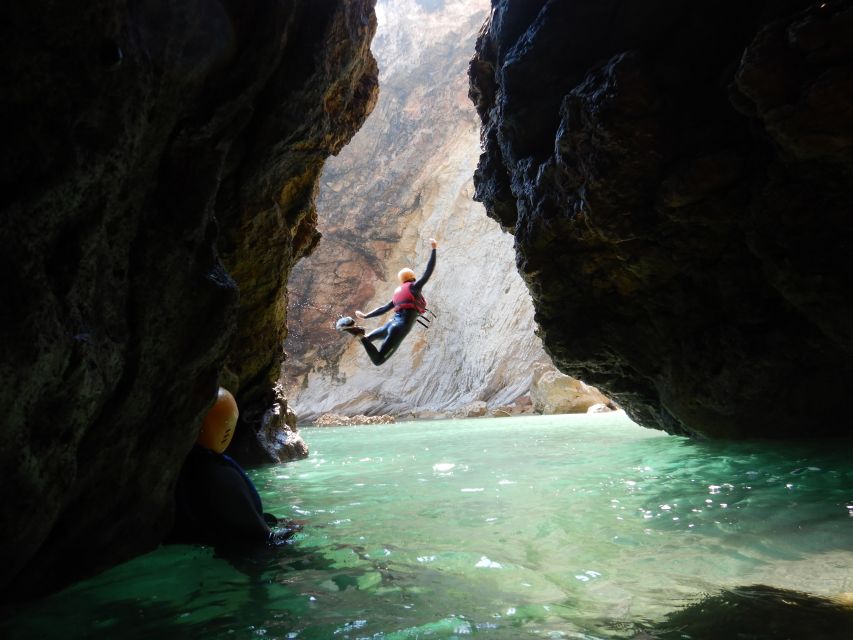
[
  {"x": 677, "y": 179},
  {"x": 148, "y": 144}
]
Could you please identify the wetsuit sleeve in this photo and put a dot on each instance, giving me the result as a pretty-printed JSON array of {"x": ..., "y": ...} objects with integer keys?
[
  {"x": 420, "y": 282},
  {"x": 378, "y": 311}
]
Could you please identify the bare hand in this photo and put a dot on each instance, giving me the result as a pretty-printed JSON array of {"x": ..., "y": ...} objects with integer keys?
[
  {"x": 433, "y": 243},
  {"x": 360, "y": 314}
]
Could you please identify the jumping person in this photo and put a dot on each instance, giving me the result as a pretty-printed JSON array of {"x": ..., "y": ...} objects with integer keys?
[{"x": 408, "y": 304}]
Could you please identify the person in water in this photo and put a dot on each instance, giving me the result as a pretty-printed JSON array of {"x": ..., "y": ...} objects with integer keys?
[
  {"x": 408, "y": 303},
  {"x": 216, "y": 502}
]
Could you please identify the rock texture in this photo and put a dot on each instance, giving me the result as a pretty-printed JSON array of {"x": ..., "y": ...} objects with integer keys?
[
  {"x": 554, "y": 392},
  {"x": 417, "y": 148},
  {"x": 335, "y": 420},
  {"x": 405, "y": 177},
  {"x": 677, "y": 176},
  {"x": 158, "y": 168}
]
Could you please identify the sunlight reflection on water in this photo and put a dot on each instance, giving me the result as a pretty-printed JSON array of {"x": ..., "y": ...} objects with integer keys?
[{"x": 566, "y": 526}]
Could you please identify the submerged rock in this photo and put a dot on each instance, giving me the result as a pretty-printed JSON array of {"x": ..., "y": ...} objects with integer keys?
[{"x": 760, "y": 612}]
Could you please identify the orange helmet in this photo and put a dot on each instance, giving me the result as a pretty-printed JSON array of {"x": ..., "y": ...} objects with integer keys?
[
  {"x": 406, "y": 275},
  {"x": 217, "y": 428}
]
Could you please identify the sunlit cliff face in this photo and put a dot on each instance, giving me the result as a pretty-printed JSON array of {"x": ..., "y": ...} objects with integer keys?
[
  {"x": 676, "y": 176},
  {"x": 404, "y": 178}
]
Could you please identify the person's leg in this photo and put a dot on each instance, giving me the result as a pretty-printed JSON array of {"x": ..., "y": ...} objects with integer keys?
[
  {"x": 380, "y": 333},
  {"x": 395, "y": 331}
]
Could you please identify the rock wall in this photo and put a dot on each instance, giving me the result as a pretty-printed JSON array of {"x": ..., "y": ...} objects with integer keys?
[
  {"x": 158, "y": 168},
  {"x": 405, "y": 177},
  {"x": 554, "y": 392},
  {"x": 677, "y": 175}
]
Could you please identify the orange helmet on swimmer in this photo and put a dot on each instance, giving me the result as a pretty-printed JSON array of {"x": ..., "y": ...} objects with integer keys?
[
  {"x": 217, "y": 428},
  {"x": 406, "y": 275}
]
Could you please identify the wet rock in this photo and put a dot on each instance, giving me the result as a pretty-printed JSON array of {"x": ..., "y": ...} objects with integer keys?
[
  {"x": 676, "y": 176},
  {"x": 158, "y": 168},
  {"x": 268, "y": 434}
]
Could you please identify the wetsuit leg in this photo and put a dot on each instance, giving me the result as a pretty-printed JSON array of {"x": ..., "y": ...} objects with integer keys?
[
  {"x": 395, "y": 331},
  {"x": 380, "y": 333}
]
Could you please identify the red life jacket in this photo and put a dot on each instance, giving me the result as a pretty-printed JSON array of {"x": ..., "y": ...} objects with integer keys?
[{"x": 405, "y": 298}]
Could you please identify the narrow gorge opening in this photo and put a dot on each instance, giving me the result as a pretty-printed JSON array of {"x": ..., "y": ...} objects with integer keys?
[{"x": 407, "y": 176}]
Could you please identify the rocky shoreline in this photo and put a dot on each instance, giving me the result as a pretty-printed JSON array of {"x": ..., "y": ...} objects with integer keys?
[{"x": 551, "y": 393}]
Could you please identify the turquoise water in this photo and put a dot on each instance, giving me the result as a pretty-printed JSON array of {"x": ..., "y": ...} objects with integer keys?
[{"x": 544, "y": 527}]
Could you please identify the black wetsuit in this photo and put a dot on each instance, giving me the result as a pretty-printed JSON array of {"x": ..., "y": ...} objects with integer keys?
[
  {"x": 398, "y": 327},
  {"x": 216, "y": 503}
]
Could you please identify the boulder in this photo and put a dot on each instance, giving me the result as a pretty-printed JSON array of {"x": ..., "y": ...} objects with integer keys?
[
  {"x": 522, "y": 405},
  {"x": 554, "y": 392},
  {"x": 475, "y": 409}
]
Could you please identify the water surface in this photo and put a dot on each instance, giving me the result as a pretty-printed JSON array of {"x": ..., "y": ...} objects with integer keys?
[{"x": 546, "y": 527}]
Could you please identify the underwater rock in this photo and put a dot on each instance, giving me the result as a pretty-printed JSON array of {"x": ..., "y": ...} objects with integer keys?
[
  {"x": 159, "y": 164},
  {"x": 676, "y": 176}
]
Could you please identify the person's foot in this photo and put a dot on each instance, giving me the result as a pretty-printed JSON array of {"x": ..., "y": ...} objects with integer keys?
[
  {"x": 347, "y": 325},
  {"x": 344, "y": 321}
]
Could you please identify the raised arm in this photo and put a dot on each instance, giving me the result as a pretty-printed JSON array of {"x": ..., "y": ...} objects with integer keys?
[{"x": 420, "y": 282}]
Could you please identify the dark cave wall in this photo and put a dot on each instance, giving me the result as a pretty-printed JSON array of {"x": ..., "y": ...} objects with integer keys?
[
  {"x": 159, "y": 164},
  {"x": 677, "y": 179}
]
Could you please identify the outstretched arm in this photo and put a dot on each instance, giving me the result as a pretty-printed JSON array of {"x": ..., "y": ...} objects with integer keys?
[
  {"x": 378, "y": 311},
  {"x": 420, "y": 282}
]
